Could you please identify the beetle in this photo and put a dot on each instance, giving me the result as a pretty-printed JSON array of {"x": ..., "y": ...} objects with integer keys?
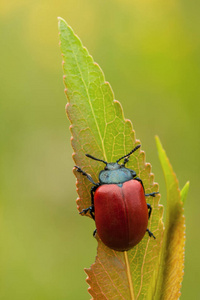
[{"x": 118, "y": 204}]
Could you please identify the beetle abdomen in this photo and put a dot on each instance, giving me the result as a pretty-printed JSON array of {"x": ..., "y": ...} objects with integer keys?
[{"x": 121, "y": 214}]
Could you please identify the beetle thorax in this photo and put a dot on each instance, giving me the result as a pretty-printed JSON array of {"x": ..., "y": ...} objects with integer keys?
[{"x": 115, "y": 173}]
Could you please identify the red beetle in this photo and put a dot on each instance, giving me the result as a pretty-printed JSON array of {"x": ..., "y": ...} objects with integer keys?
[{"x": 118, "y": 205}]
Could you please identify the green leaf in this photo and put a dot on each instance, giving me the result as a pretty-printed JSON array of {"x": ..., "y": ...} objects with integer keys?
[
  {"x": 171, "y": 268},
  {"x": 184, "y": 192},
  {"x": 98, "y": 127}
]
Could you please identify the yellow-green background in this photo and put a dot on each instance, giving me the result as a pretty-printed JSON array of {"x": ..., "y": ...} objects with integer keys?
[{"x": 149, "y": 51}]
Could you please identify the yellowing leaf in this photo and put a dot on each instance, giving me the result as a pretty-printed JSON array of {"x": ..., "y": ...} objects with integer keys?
[{"x": 172, "y": 258}]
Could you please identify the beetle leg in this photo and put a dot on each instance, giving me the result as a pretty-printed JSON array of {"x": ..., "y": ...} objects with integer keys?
[
  {"x": 150, "y": 209},
  {"x": 85, "y": 174},
  {"x": 93, "y": 189},
  {"x": 90, "y": 209},
  {"x": 146, "y": 195},
  {"x": 94, "y": 233},
  {"x": 150, "y": 233},
  {"x": 151, "y": 194},
  {"x": 140, "y": 180}
]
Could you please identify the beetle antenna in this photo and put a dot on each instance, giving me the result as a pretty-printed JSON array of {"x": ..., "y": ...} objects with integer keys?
[
  {"x": 92, "y": 157},
  {"x": 127, "y": 155}
]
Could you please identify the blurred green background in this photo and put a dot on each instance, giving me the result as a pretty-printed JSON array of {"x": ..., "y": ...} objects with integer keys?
[{"x": 149, "y": 52}]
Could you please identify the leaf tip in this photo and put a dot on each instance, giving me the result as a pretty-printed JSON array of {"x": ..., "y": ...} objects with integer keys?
[
  {"x": 61, "y": 23},
  {"x": 158, "y": 142},
  {"x": 184, "y": 192},
  {"x": 61, "y": 20}
]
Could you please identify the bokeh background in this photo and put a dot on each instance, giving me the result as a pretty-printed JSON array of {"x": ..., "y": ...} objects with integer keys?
[{"x": 149, "y": 51}]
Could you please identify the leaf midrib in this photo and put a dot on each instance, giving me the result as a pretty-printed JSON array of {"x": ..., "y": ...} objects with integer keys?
[
  {"x": 89, "y": 100},
  {"x": 128, "y": 271}
]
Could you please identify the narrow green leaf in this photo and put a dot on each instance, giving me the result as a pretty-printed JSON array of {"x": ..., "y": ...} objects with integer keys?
[
  {"x": 98, "y": 127},
  {"x": 171, "y": 268},
  {"x": 184, "y": 192}
]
